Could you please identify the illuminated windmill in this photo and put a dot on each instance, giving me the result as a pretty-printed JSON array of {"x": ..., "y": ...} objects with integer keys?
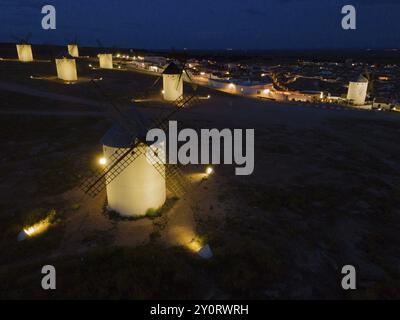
[
  {"x": 134, "y": 172},
  {"x": 172, "y": 82},
  {"x": 73, "y": 49},
  {"x": 66, "y": 68},
  {"x": 173, "y": 76},
  {"x": 24, "y": 49},
  {"x": 105, "y": 59}
]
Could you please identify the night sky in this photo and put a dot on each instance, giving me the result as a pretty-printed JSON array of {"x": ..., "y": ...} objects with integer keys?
[{"x": 208, "y": 24}]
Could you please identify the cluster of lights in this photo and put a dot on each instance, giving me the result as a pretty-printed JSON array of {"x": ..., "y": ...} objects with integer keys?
[{"x": 118, "y": 55}]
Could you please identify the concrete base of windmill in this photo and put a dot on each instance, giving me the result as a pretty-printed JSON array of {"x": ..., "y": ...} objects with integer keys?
[{"x": 205, "y": 252}]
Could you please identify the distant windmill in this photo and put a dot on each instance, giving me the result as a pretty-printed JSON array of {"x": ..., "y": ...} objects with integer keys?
[
  {"x": 173, "y": 76},
  {"x": 66, "y": 67},
  {"x": 105, "y": 58},
  {"x": 73, "y": 49},
  {"x": 135, "y": 174},
  {"x": 24, "y": 49}
]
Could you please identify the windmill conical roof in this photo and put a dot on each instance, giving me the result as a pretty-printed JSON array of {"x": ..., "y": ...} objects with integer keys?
[
  {"x": 117, "y": 137},
  {"x": 359, "y": 78},
  {"x": 172, "y": 68}
]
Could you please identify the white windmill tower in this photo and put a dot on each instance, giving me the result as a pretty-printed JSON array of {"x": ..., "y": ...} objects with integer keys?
[
  {"x": 73, "y": 49},
  {"x": 135, "y": 174},
  {"x": 173, "y": 76},
  {"x": 357, "y": 91},
  {"x": 140, "y": 187},
  {"x": 24, "y": 49},
  {"x": 66, "y": 68},
  {"x": 172, "y": 82},
  {"x": 105, "y": 59}
]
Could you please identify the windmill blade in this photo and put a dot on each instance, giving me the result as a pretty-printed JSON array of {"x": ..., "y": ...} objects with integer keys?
[
  {"x": 18, "y": 39},
  {"x": 176, "y": 182},
  {"x": 156, "y": 81},
  {"x": 187, "y": 74},
  {"x": 119, "y": 161},
  {"x": 182, "y": 63},
  {"x": 179, "y": 80},
  {"x": 194, "y": 85},
  {"x": 28, "y": 37},
  {"x": 133, "y": 125},
  {"x": 99, "y": 44}
]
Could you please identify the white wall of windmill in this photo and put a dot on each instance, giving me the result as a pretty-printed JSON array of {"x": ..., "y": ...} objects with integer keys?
[
  {"x": 357, "y": 92},
  {"x": 138, "y": 188},
  {"x": 73, "y": 50},
  {"x": 173, "y": 86},
  {"x": 105, "y": 60},
  {"x": 24, "y": 52},
  {"x": 66, "y": 69}
]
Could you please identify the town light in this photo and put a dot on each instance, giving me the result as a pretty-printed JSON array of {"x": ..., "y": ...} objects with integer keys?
[{"x": 209, "y": 171}]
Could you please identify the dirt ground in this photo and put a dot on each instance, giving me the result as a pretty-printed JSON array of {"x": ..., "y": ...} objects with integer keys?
[{"x": 324, "y": 193}]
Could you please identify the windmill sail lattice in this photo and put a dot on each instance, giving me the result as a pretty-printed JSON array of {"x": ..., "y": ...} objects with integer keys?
[{"x": 176, "y": 182}]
